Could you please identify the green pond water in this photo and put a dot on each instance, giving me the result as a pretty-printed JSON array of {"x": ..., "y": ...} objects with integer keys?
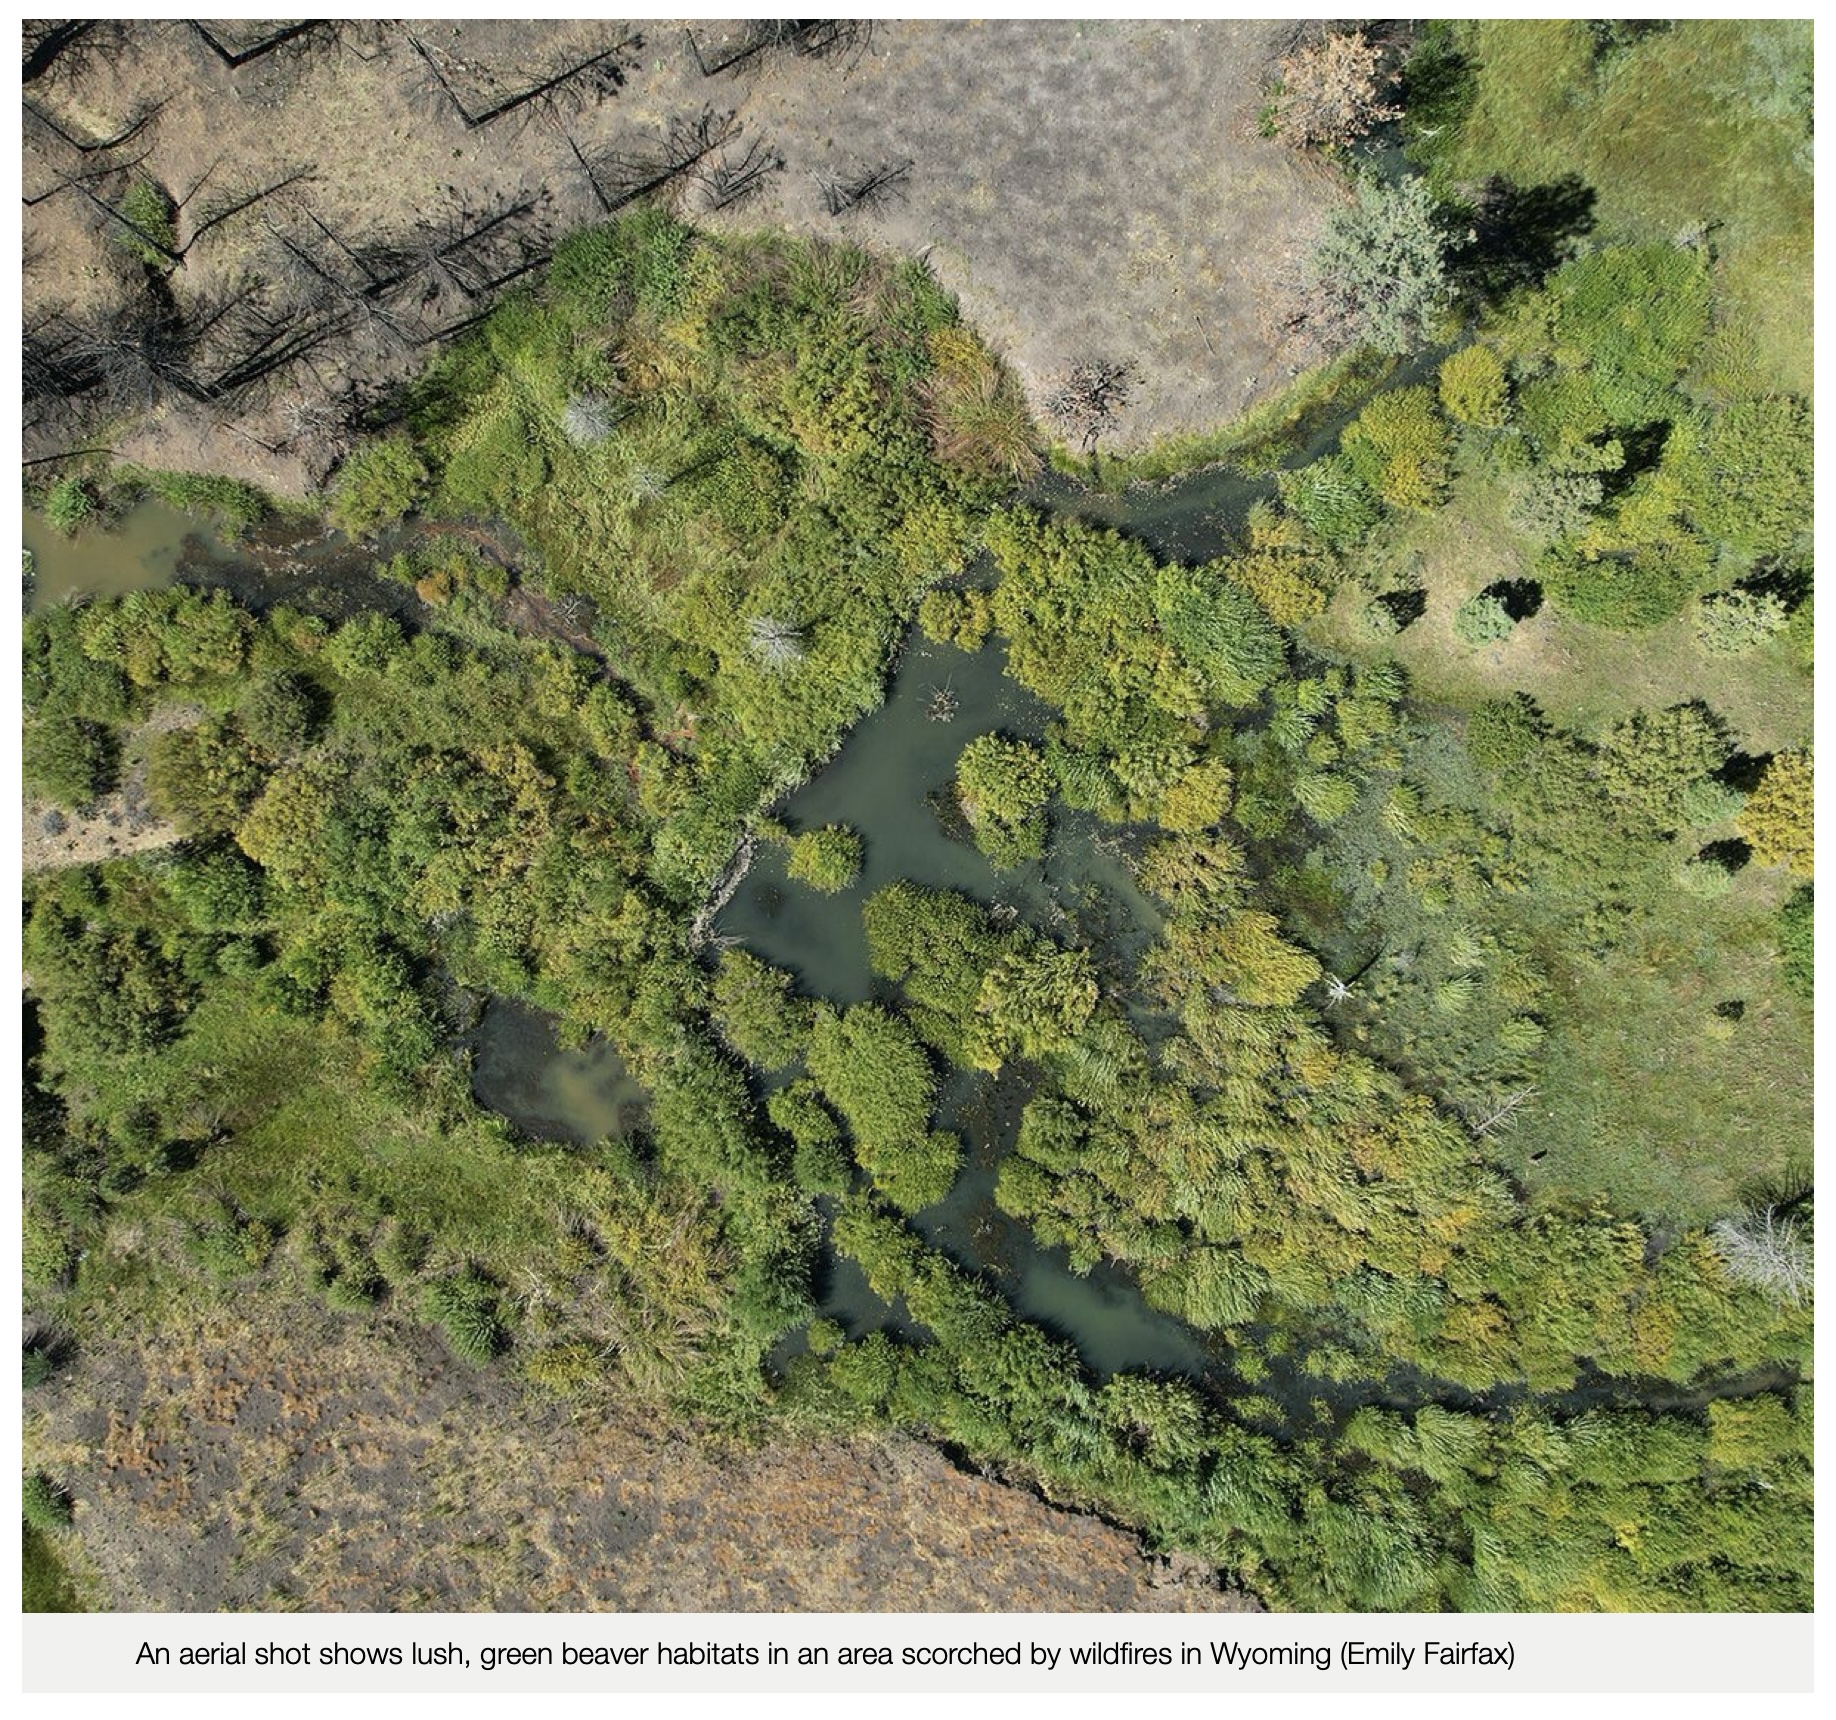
[
  {"x": 150, "y": 545},
  {"x": 888, "y": 782},
  {"x": 520, "y": 1070}
]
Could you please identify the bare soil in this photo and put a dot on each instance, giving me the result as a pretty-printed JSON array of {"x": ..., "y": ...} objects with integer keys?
[
  {"x": 284, "y": 1458},
  {"x": 1094, "y": 191}
]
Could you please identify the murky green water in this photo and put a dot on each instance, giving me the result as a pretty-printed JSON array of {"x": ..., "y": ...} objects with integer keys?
[
  {"x": 150, "y": 546},
  {"x": 520, "y": 1070},
  {"x": 888, "y": 782}
]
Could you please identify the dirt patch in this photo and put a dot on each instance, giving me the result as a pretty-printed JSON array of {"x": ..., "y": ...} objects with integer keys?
[
  {"x": 1093, "y": 190},
  {"x": 327, "y": 1465}
]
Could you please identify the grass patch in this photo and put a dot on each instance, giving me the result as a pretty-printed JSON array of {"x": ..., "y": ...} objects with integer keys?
[
  {"x": 44, "y": 1584},
  {"x": 1651, "y": 1097},
  {"x": 1585, "y": 677},
  {"x": 1259, "y": 441},
  {"x": 1702, "y": 126}
]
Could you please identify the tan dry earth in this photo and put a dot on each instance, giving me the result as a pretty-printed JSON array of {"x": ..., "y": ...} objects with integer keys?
[
  {"x": 308, "y": 1462},
  {"x": 1093, "y": 190}
]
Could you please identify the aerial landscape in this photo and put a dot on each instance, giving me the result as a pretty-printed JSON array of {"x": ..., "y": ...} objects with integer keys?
[{"x": 917, "y": 816}]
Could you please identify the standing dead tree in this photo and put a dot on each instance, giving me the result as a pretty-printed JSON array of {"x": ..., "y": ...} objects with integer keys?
[
  {"x": 734, "y": 180},
  {"x": 807, "y": 38},
  {"x": 1085, "y": 404},
  {"x": 868, "y": 189},
  {"x": 584, "y": 77},
  {"x": 237, "y": 51},
  {"x": 311, "y": 265},
  {"x": 450, "y": 266},
  {"x": 68, "y": 46},
  {"x": 619, "y": 177}
]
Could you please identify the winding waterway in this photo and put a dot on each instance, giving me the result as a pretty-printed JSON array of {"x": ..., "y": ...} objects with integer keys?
[{"x": 889, "y": 782}]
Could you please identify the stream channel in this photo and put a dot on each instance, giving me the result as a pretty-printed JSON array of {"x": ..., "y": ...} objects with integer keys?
[{"x": 889, "y": 782}]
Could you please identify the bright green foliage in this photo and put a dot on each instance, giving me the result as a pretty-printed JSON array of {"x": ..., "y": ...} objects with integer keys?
[
  {"x": 821, "y": 1163},
  {"x": 872, "y": 1068},
  {"x": 47, "y": 1506},
  {"x": 228, "y": 502},
  {"x": 1482, "y": 620},
  {"x": 70, "y": 505},
  {"x": 1797, "y": 942},
  {"x": 147, "y": 232},
  {"x": 468, "y": 1309},
  {"x": 1220, "y": 630},
  {"x": 1624, "y": 592},
  {"x": 828, "y": 859},
  {"x": 1635, "y": 316},
  {"x": 755, "y": 1012},
  {"x": 937, "y": 946},
  {"x": 1734, "y": 623},
  {"x": 1331, "y": 499},
  {"x": 959, "y": 618},
  {"x": 1751, "y": 486},
  {"x": 1380, "y": 271},
  {"x": 1474, "y": 389},
  {"x": 1401, "y": 447},
  {"x": 641, "y": 259},
  {"x": 160, "y": 638},
  {"x": 1649, "y": 762},
  {"x": 68, "y": 758},
  {"x": 1002, "y": 787},
  {"x": 1032, "y": 1001},
  {"x": 1780, "y": 815},
  {"x": 205, "y": 778},
  {"x": 377, "y": 485}
]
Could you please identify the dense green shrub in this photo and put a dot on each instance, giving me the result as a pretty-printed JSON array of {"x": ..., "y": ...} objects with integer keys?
[
  {"x": 1474, "y": 389},
  {"x": 68, "y": 758},
  {"x": 377, "y": 485},
  {"x": 1401, "y": 447},
  {"x": 1623, "y": 592},
  {"x": 1333, "y": 501},
  {"x": 755, "y": 1012},
  {"x": 1002, "y": 786},
  {"x": 70, "y": 504},
  {"x": 828, "y": 859},
  {"x": 468, "y": 1308},
  {"x": 1733, "y": 623},
  {"x": 227, "y": 502},
  {"x": 1482, "y": 620},
  {"x": 1780, "y": 814},
  {"x": 47, "y": 1506}
]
